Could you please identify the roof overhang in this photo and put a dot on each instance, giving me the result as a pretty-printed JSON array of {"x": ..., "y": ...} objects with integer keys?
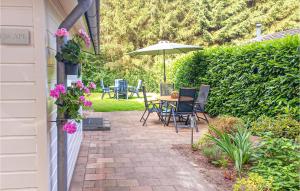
[{"x": 92, "y": 21}]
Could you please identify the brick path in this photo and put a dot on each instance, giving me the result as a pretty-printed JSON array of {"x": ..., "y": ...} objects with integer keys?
[{"x": 131, "y": 157}]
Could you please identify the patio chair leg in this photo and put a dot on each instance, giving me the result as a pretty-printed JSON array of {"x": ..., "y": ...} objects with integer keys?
[
  {"x": 137, "y": 93},
  {"x": 146, "y": 118},
  {"x": 174, "y": 118},
  {"x": 143, "y": 115},
  {"x": 205, "y": 118},
  {"x": 169, "y": 118},
  {"x": 187, "y": 119},
  {"x": 109, "y": 95},
  {"x": 102, "y": 95}
]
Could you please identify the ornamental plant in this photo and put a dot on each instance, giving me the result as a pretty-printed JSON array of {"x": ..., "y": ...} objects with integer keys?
[
  {"x": 71, "y": 51},
  {"x": 237, "y": 146},
  {"x": 70, "y": 100}
]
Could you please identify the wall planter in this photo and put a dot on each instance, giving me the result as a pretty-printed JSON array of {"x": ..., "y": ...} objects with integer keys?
[{"x": 72, "y": 69}]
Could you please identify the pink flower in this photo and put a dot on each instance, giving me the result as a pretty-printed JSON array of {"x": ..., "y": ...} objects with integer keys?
[
  {"x": 86, "y": 90},
  {"x": 92, "y": 85},
  {"x": 61, "y": 88},
  {"x": 70, "y": 127},
  {"x": 87, "y": 103},
  {"x": 81, "y": 98},
  {"x": 85, "y": 37},
  {"x": 54, "y": 93},
  {"x": 79, "y": 84},
  {"x": 87, "y": 41},
  {"x": 62, "y": 32}
]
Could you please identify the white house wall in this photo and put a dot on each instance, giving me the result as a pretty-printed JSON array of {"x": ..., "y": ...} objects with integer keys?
[{"x": 23, "y": 119}]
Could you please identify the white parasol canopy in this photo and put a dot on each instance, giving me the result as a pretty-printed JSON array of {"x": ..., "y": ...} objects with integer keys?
[{"x": 163, "y": 48}]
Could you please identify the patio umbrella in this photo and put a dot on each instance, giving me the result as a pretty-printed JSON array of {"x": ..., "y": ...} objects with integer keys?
[{"x": 163, "y": 48}]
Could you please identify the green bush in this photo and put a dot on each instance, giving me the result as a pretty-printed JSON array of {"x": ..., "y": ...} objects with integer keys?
[
  {"x": 250, "y": 80},
  {"x": 253, "y": 182},
  {"x": 281, "y": 126},
  {"x": 278, "y": 159}
]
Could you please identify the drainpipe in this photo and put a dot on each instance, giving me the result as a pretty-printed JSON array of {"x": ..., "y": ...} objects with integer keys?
[{"x": 62, "y": 149}]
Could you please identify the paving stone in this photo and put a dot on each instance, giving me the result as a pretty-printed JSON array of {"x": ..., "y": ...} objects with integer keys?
[
  {"x": 94, "y": 177},
  {"x": 141, "y": 188},
  {"x": 163, "y": 188},
  {"x": 128, "y": 182}
]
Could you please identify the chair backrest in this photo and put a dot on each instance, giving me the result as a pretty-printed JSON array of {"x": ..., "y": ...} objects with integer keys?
[
  {"x": 166, "y": 89},
  {"x": 203, "y": 94},
  {"x": 138, "y": 87},
  {"x": 186, "y": 100},
  {"x": 122, "y": 86},
  {"x": 145, "y": 97},
  {"x": 117, "y": 82},
  {"x": 102, "y": 84}
]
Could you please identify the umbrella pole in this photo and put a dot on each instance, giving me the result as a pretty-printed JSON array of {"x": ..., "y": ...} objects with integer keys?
[{"x": 165, "y": 79}]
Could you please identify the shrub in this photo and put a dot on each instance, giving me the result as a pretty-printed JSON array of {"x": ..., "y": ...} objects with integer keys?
[
  {"x": 253, "y": 182},
  {"x": 281, "y": 126},
  {"x": 226, "y": 124},
  {"x": 215, "y": 155},
  {"x": 278, "y": 159},
  {"x": 250, "y": 80},
  {"x": 237, "y": 147}
]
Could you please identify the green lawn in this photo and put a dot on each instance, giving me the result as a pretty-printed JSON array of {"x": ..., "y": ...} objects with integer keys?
[{"x": 111, "y": 104}]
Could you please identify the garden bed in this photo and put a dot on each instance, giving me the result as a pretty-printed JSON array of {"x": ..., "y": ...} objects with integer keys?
[{"x": 211, "y": 173}]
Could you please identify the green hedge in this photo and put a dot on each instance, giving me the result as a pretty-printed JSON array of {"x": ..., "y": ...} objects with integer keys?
[{"x": 250, "y": 80}]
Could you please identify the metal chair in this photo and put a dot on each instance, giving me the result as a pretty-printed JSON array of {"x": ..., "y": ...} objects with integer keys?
[
  {"x": 201, "y": 102},
  {"x": 105, "y": 90},
  {"x": 135, "y": 90},
  {"x": 165, "y": 90},
  {"x": 184, "y": 109},
  {"x": 121, "y": 89},
  {"x": 150, "y": 107}
]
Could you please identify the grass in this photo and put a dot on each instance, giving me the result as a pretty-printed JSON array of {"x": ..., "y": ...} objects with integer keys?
[{"x": 111, "y": 104}]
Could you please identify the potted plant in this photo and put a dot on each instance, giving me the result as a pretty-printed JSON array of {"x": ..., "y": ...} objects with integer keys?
[
  {"x": 71, "y": 52},
  {"x": 70, "y": 100}
]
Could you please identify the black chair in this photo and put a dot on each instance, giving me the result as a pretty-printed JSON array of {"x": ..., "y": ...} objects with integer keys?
[
  {"x": 105, "y": 90},
  {"x": 150, "y": 107},
  {"x": 184, "y": 109},
  {"x": 121, "y": 89},
  {"x": 201, "y": 102}
]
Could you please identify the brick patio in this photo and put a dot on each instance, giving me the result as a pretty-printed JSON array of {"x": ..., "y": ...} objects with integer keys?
[{"x": 131, "y": 157}]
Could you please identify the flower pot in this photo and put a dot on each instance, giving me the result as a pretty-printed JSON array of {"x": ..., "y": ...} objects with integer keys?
[{"x": 71, "y": 69}]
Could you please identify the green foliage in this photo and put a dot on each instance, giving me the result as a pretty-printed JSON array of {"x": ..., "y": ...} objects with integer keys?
[
  {"x": 237, "y": 147},
  {"x": 70, "y": 53},
  {"x": 254, "y": 182},
  {"x": 251, "y": 80},
  {"x": 215, "y": 155},
  {"x": 281, "y": 126},
  {"x": 278, "y": 159}
]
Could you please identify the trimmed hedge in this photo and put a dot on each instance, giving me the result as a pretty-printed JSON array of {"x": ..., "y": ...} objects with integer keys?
[{"x": 251, "y": 80}]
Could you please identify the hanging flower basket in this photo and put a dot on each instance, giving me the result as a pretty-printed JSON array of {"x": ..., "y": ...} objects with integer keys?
[
  {"x": 71, "y": 52},
  {"x": 70, "y": 100},
  {"x": 72, "y": 69}
]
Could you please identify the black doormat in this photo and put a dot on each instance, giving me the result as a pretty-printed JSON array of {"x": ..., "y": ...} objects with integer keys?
[{"x": 95, "y": 124}]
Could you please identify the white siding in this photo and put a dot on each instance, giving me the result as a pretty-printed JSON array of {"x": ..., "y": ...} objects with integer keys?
[
  {"x": 54, "y": 18},
  {"x": 23, "y": 122}
]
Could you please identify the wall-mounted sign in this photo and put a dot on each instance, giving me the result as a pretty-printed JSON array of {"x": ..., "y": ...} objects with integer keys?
[{"x": 10, "y": 36}]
